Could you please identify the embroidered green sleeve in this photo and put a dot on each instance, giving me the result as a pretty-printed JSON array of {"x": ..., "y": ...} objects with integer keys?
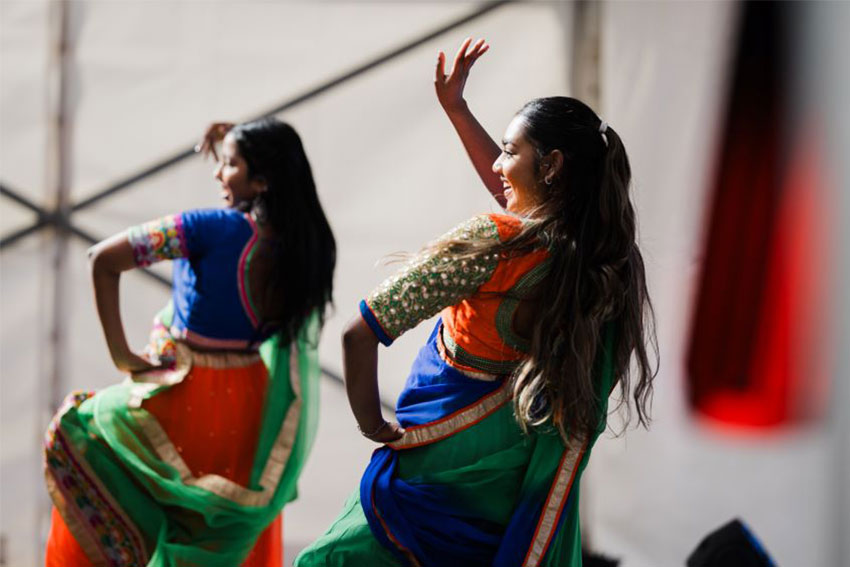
[{"x": 431, "y": 282}]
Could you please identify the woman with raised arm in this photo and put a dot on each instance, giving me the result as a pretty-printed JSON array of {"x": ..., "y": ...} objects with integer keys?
[
  {"x": 541, "y": 311},
  {"x": 191, "y": 459}
]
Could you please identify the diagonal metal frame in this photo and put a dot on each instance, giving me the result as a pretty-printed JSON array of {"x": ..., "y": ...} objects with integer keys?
[
  {"x": 300, "y": 99},
  {"x": 45, "y": 218},
  {"x": 61, "y": 219},
  {"x": 61, "y": 222}
]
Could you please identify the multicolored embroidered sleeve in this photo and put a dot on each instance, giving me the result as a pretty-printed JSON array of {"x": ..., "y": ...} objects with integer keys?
[
  {"x": 429, "y": 283},
  {"x": 160, "y": 239}
]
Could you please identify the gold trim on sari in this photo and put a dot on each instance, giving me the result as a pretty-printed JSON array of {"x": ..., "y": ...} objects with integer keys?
[
  {"x": 58, "y": 449},
  {"x": 554, "y": 505},
  {"x": 418, "y": 435},
  {"x": 166, "y": 450}
]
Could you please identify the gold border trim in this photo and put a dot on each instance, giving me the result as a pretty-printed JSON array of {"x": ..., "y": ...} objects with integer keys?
[
  {"x": 81, "y": 535},
  {"x": 419, "y": 435},
  {"x": 78, "y": 529},
  {"x": 457, "y": 353},
  {"x": 216, "y": 484},
  {"x": 554, "y": 505},
  {"x": 441, "y": 348},
  {"x": 507, "y": 308},
  {"x": 221, "y": 360}
]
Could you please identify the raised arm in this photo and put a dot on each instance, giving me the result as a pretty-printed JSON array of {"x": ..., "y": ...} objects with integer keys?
[
  {"x": 480, "y": 147},
  {"x": 107, "y": 260}
]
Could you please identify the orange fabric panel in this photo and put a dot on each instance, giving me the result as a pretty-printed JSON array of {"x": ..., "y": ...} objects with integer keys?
[
  {"x": 213, "y": 418},
  {"x": 268, "y": 551},
  {"x": 64, "y": 551},
  {"x": 471, "y": 322},
  {"x": 215, "y": 409}
]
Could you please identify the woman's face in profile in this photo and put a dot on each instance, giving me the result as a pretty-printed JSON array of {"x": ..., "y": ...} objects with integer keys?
[
  {"x": 232, "y": 174},
  {"x": 517, "y": 168}
]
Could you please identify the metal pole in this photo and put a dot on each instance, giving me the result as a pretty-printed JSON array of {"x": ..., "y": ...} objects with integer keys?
[
  {"x": 585, "y": 71},
  {"x": 55, "y": 275},
  {"x": 60, "y": 187}
]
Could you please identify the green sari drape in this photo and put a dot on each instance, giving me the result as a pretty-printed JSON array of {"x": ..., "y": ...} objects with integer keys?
[
  {"x": 128, "y": 497},
  {"x": 492, "y": 471}
]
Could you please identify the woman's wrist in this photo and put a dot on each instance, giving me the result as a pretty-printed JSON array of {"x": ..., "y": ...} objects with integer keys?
[
  {"x": 119, "y": 351},
  {"x": 370, "y": 432},
  {"x": 457, "y": 108}
]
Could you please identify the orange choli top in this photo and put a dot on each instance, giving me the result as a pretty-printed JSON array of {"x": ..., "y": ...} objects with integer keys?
[{"x": 476, "y": 299}]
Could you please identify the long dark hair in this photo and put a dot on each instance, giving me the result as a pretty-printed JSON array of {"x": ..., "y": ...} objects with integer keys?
[
  {"x": 596, "y": 279},
  {"x": 597, "y": 275},
  {"x": 302, "y": 250}
]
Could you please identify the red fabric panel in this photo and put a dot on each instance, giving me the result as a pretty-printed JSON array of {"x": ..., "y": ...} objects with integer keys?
[{"x": 752, "y": 328}]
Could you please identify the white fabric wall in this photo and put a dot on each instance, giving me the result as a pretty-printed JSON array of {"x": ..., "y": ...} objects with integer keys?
[
  {"x": 653, "y": 496},
  {"x": 148, "y": 76}
]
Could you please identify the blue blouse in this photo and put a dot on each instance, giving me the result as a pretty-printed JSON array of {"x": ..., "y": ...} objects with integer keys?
[{"x": 211, "y": 303}]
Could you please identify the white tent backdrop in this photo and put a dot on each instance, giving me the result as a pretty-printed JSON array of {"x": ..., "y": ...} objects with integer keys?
[{"x": 145, "y": 77}]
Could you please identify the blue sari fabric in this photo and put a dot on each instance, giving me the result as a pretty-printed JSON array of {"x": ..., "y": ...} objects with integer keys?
[
  {"x": 429, "y": 521},
  {"x": 422, "y": 517},
  {"x": 211, "y": 304}
]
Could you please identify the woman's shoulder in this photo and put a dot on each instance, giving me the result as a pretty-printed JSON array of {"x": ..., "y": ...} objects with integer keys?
[
  {"x": 488, "y": 226},
  {"x": 212, "y": 215},
  {"x": 206, "y": 228},
  {"x": 217, "y": 220},
  {"x": 508, "y": 225}
]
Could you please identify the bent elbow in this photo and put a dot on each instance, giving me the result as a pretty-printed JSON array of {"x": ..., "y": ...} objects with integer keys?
[
  {"x": 100, "y": 260},
  {"x": 94, "y": 257},
  {"x": 350, "y": 335},
  {"x": 357, "y": 334}
]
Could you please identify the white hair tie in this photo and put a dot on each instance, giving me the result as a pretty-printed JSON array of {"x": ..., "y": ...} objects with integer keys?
[{"x": 603, "y": 127}]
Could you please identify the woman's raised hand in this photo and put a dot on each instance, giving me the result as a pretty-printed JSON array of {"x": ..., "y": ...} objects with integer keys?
[
  {"x": 450, "y": 87},
  {"x": 214, "y": 134}
]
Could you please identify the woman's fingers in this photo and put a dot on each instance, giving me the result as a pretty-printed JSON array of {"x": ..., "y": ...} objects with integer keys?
[
  {"x": 440, "y": 74},
  {"x": 207, "y": 147},
  {"x": 450, "y": 87},
  {"x": 133, "y": 363},
  {"x": 211, "y": 149},
  {"x": 214, "y": 133},
  {"x": 392, "y": 432},
  {"x": 482, "y": 49},
  {"x": 461, "y": 53},
  {"x": 203, "y": 147},
  {"x": 465, "y": 56},
  {"x": 469, "y": 57}
]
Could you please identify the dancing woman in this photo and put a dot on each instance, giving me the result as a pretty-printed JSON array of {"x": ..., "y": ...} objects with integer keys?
[
  {"x": 541, "y": 312},
  {"x": 191, "y": 459}
]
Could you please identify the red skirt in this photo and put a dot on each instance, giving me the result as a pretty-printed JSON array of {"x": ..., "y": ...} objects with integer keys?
[{"x": 213, "y": 418}]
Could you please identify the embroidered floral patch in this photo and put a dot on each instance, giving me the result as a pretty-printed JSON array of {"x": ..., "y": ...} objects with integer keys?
[
  {"x": 431, "y": 282},
  {"x": 162, "y": 346},
  {"x": 160, "y": 239},
  {"x": 119, "y": 543}
]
